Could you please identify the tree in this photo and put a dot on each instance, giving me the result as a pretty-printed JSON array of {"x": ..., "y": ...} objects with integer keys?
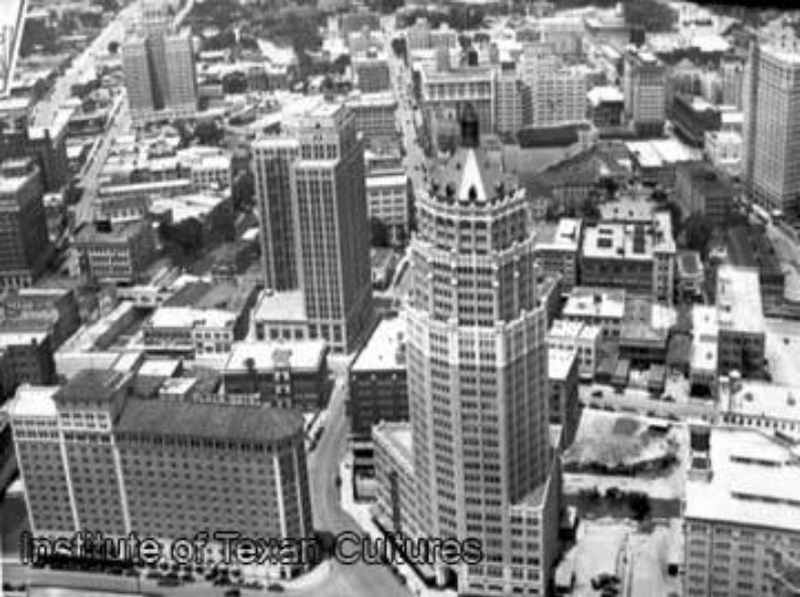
[
  {"x": 639, "y": 504},
  {"x": 341, "y": 63},
  {"x": 652, "y": 15},
  {"x": 242, "y": 192},
  {"x": 250, "y": 365},
  {"x": 589, "y": 208},
  {"x": 698, "y": 231},
  {"x": 113, "y": 47},
  {"x": 399, "y": 47},
  {"x": 379, "y": 234},
  {"x": 208, "y": 132},
  {"x": 235, "y": 82}
]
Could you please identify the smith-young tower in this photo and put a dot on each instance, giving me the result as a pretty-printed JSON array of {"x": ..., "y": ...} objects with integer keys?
[{"x": 477, "y": 377}]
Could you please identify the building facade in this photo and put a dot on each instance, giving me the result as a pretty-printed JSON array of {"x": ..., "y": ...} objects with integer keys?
[
  {"x": 94, "y": 458},
  {"x": 740, "y": 515},
  {"x": 159, "y": 68},
  {"x": 477, "y": 381},
  {"x": 118, "y": 254},
  {"x": 332, "y": 227},
  {"x": 271, "y": 164},
  {"x": 644, "y": 87},
  {"x": 24, "y": 243},
  {"x": 772, "y": 114}
]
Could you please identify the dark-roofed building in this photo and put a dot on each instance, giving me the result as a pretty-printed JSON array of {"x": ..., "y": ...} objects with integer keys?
[
  {"x": 701, "y": 189},
  {"x": 692, "y": 117},
  {"x": 111, "y": 461}
]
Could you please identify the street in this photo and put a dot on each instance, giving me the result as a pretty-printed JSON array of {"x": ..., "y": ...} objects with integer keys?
[{"x": 323, "y": 465}]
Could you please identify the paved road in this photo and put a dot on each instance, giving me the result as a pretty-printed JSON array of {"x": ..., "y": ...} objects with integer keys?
[{"x": 323, "y": 464}]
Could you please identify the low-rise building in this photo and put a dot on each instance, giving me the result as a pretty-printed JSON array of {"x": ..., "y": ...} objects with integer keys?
[
  {"x": 606, "y": 106},
  {"x": 280, "y": 315},
  {"x": 740, "y": 321},
  {"x": 371, "y": 72},
  {"x": 693, "y": 117},
  {"x": 396, "y": 499},
  {"x": 725, "y": 150},
  {"x": 557, "y": 251},
  {"x": 201, "y": 319},
  {"x": 56, "y": 306},
  {"x": 689, "y": 275},
  {"x": 763, "y": 406},
  {"x": 378, "y": 389},
  {"x": 115, "y": 253},
  {"x": 376, "y": 113},
  {"x": 287, "y": 374},
  {"x": 639, "y": 258},
  {"x": 601, "y": 307},
  {"x": 565, "y": 410},
  {"x": 584, "y": 338},
  {"x": 700, "y": 189},
  {"x": 750, "y": 247},
  {"x": 388, "y": 201},
  {"x": 741, "y": 514},
  {"x": 655, "y": 160},
  {"x": 25, "y": 357},
  {"x": 644, "y": 334}
]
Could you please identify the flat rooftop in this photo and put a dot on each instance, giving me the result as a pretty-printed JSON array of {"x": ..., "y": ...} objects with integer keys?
[
  {"x": 33, "y": 401},
  {"x": 585, "y": 301},
  {"x": 561, "y": 328},
  {"x": 398, "y": 436},
  {"x": 565, "y": 236},
  {"x": 187, "y": 317},
  {"x": 782, "y": 350},
  {"x": 739, "y": 300},
  {"x": 755, "y": 481},
  {"x": 385, "y": 349},
  {"x": 18, "y": 338},
  {"x": 657, "y": 153},
  {"x": 286, "y": 306},
  {"x": 159, "y": 367},
  {"x": 559, "y": 363},
  {"x": 764, "y": 399},
  {"x": 305, "y": 355},
  {"x": 212, "y": 421},
  {"x": 90, "y": 384}
]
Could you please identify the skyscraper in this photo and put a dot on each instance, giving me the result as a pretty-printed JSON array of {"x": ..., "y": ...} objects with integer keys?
[
  {"x": 272, "y": 163},
  {"x": 772, "y": 126},
  {"x": 644, "y": 87},
  {"x": 315, "y": 232},
  {"x": 331, "y": 227},
  {"x": 158, "y": 63},
  {"x": 24, "y": 244},
  {"x": 477, "y": 379}
]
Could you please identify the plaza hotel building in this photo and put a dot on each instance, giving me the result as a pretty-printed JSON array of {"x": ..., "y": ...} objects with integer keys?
[{"x": 95, "y": 457}]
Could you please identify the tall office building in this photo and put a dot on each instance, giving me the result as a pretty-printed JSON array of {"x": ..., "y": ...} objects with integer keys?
[
  {"x": 159, "y": 68},
  {"x": 95, "y": 457},
  {"x": 24, "y": 244},
  {"x": 272, "y": 162},
  {"x": 311, "y": 192},
  {"x": 644, "y": 87},
  {"x": 477, "y": 379},
  {"x": 331, "y": 227},
  {"x": 772, "y": 126}
]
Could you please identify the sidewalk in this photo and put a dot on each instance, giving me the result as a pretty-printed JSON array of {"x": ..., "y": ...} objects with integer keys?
[{"x": 361, "y": 514}]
